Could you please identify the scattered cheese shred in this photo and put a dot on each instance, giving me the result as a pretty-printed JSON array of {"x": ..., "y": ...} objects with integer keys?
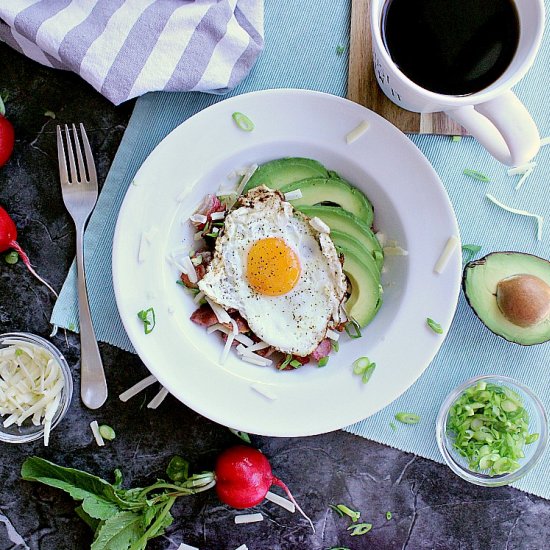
[
  {"x": 198, "y": 218},
  {"x": 521, "y": 169},
  {"x": 158, "y": 399},
  {"x": 242, "y": 547},
  {"x": 545, "y": 141},
  {"x": 319, "y": 225},
  {"x": 450, "y": 246},
  {"x": 539, "y": 219},
  {"x": 95, "y": 430},
  {"x": 332, "y": 335},
  {"x": 395, "y": 251},
  {"x": 217, "y": 216},
  {"x": 249, "y": 518},
  {"x": 137, "y": 388},
  {"x": 357, "y": 132},
  {"x": 281, "y": 501},
  {"x": 219, "y": 312},
  {"x": 242, "y": 338},
  {"x": 523, "y": 178},
  {"x": 293, "y": 195},
  {"x": 262, "y": 390},
  {"x": 184, "y": 546}
]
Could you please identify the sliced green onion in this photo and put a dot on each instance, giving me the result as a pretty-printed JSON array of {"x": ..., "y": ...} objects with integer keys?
[
  {"x": 476, "y": 175},
  {"x": 489, "y": 427},
  {"x": 243, "y": 122},
  {"x": 11, "y": 257},
  {"x": 72, "y": 327},
  {"x": 148, "y": 318},
  {"x": 295, "y": 363},
  {"x": 242, "y": 435},
  {"x": 107, "y": 432},
  {"x": 356, "y": 332},
  {"x": 364, "y": 367},
  {"x": 286, "y": 362},
  {"x": 407, "y": 418},
  {"x": 471, "y": 250},
  {"x": 342, "y": 509},
  {"x": 335, "y": 346},
  {"x": 436, "y": 327},
  {"x": 456, "y": 138},
  {"x": 323, "y": 361},
  {"x": 340, "y": 49},
  {"x": 393, "y": 426},
  {"x": 360, "y": 529},
  {"x": 368, "y": 373},
  {"x": 388, "y": 515}
]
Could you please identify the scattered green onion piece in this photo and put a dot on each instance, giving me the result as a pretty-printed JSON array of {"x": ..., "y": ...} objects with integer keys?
[
  {"x": 178, "y": 469},
  {"x": 356, "y": 333},
  {"x": 323, "y": 361},
  {"x": 340, "y": 49},
  {"x": 338, "y": 548},
  {"x": 242, "y": 435},
  {"x": 490, "y": 427},
  {"x": 436, "y": 327},
  {"x": 342, "y": 509},
  {"x": 148, "y": 318},
  {"x": 11, "y": 257},
  {"x": 295, "y": 363},
  {"x": 368, "y": 373},
  {"x": 335, "y": 346},
  {"x": 214, "y": 235},
  {"x": 360, "y": 529},
  {"x": 388, "y": 515},
  {"x": 243, "y": 122},
  {"x": 471, "y": 250},
  {"x": 476, "y": 175},
  {"x": 72, "y": 327},
  {"x": 107, "y": 432},
  {"x": 181, "y": 283},
  {"x": 456, "y": 138},
  {"x": 360, "y": 365},
  {"x": 18, "y": 352},
  {"x": 407, "y": 418},
  {"x": 393, "y": 426},
  {"x": 51, "y": 114},
  {"x": 286, "y": 362}
]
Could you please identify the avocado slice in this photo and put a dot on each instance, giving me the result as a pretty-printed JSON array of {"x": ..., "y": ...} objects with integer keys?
[
  {"x": 334, "y": 190},
  {"x": 279, "y": 172},
  {"x": 366, "y": 292},
  {"x": 343, "y": 221},
  {"x": 510, "y": 293},
  {"x": 342, "y": 240}
]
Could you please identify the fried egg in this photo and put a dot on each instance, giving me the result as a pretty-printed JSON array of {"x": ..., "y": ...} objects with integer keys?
[{"x": 282, "y": 275}]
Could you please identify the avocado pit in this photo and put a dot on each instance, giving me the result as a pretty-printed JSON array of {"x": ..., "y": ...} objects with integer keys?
[{"x": 523, "y": 299}]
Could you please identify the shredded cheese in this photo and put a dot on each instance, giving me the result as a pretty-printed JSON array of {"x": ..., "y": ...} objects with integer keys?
[
  {"x": 524, "y": 177},
  {"x": 282, "y": 502},
  {"x": 184, "y": 546},
  {"x": 219, "y": 312},
  {"x": 158, "y": 399},
  {"x": 395, "y": 251},
  {"x": 242, "y": 338},
  {"x": 293, "y": 195},
  {"x": 242, "y": 547},
  {"x": 31, "y": 383},
  {"x": 450, "y": 246},
  {"x": 262, "y": 390},
  {"x": 198, "y": 218},
  {"x": 332, "y": 335},
  {"x": 137, "y": 388},
  {"x": 521, "y": 169},
  {"x": 545, "y": 141},
  {"x": 539, "y": 219},
  {"x": 357, "y": 132},
  {"x": 95, "y": 430},
  {"x": 319, "y": 225},
  {"x": 217, "y": 216},
  {"x": 252, "y": 357},
  {"x": 249, "y": 518}
]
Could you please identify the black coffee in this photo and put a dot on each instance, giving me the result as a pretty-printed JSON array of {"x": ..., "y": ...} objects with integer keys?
[{"x": 453, "y": 47}]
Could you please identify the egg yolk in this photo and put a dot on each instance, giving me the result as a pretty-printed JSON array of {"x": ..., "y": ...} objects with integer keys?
[{"x": 273, "y": 268}]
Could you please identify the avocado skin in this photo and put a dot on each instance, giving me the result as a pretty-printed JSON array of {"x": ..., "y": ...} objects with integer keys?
[
  {"x": 502, "y": 327},
  {"x": 279, "y": 172}
]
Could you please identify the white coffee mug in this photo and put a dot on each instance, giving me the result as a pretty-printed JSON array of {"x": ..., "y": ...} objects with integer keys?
[{"x": 494, "y": 115}]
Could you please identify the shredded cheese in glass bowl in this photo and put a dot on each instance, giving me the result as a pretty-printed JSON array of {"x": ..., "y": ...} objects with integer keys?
[{"x": 36, "y": 388}]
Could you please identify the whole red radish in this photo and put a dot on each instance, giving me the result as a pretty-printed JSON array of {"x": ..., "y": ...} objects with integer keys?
[
  {"x": 7, "y": 136},
  {"x": 244, "y": 476},
  {"x": 8, "y": 239}
]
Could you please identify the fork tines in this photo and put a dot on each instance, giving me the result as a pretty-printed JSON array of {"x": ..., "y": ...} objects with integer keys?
[{"x": 85, "y": 171}]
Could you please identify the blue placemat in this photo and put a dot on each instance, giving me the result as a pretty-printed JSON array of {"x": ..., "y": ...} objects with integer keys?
[{"x": 301, "y": 52}]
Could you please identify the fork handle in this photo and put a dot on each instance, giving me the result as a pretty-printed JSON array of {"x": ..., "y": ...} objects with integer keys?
[{"x": 93, "y": 386}]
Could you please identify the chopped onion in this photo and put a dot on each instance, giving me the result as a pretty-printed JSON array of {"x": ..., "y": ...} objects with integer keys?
[
  {"x": 95, "y": 430},
  {"x": 282, "y": 502},
  {"x": 293, "y": 195},
  {"x": 357, "y": 132},
  {"x": 158, "y": 399},
  {"x": 539, "y": 219},
  {"x": 217, "y": 216},
  {"x": 319, "y": 225},
  {"x": 249, "y": 518},
  {"x": 450, "y": 246},
  {"x": 137, "y": 388},
  {"x": 198, "y": 218},
  {"x": 262, "y": 390},
  {"x": 521, "y": 169}
]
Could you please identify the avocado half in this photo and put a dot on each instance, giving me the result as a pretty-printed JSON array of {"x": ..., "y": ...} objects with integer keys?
[{"x": 511, "y": 285}]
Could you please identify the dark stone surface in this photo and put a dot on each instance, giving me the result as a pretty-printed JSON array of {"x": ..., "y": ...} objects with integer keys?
[{"x": 431, "y": 507}]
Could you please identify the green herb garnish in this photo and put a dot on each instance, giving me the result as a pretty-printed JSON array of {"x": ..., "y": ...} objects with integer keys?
[
  {"x": 476, "y": 175},
  {"x": 436, "y": 327},
  {"x": 243, "y": 122},
  {"x": 354, "y": 331},
  {"x": 342, "y": 509},
  {"x": 11, "y": 257},
  {"x": 107, "y": 432},
  {"x": 456, "y": 138},
  {"x": 322, "y": 362},
  {"x": 388, "y": 515},
  {"x": 124, "y": 519},
  {"x": 242, "y": 435},
  {"x": 471, "y": 250},
  {"x": 490, "y": 427},
  {"x": 407, "y": 418},
  {"x": 148, "y": 318},
  {"x": 340, "y": 49},
  {"x": 360, "y": 529}
]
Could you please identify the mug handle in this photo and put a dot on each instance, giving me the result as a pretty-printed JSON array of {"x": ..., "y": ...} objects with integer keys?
[{"x": 503, "y": 126}]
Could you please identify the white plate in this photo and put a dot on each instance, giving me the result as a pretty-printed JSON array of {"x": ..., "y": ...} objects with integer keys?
[{"x": 411, "y": 206}]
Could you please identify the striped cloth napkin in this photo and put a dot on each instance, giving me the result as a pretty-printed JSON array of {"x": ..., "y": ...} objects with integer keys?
[{"x": 125, "y": 48}]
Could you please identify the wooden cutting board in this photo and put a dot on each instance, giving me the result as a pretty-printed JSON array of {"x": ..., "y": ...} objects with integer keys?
[{"x": 363, "y": 88}]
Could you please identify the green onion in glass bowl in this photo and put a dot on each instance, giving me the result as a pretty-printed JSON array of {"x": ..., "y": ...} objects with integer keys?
[{"x": 491, "y": 430}]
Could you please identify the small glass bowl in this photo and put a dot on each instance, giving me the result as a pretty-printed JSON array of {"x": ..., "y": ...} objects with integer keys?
[
  {"x": 538, "y": 423},
  {"x": 28, "y": 431}
]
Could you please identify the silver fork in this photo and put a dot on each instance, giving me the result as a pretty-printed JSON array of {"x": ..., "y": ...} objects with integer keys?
[{"x": 79, "y": 189}]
